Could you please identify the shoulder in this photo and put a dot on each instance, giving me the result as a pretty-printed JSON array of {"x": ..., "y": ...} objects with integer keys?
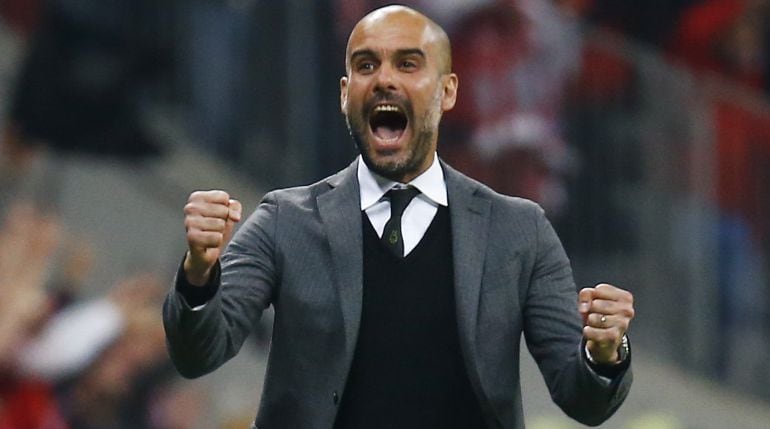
[
  {"x": 304, "y": 197},
  {"x": 458, "y": 182}
]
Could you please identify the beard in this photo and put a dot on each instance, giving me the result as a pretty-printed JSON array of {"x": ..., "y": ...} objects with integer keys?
[{"x": 416, "y": 150}]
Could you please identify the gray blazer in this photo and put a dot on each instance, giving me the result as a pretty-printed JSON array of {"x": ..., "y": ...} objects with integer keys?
[{"x": 301, "y": 251}]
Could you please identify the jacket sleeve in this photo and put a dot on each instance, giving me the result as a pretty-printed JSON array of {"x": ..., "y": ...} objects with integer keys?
[
  {"x": 200, "y": 340},
  {"x": 553, "y": 331}
]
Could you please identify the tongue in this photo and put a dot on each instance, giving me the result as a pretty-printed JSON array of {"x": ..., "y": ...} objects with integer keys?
[{"x": 385, "y": 132}]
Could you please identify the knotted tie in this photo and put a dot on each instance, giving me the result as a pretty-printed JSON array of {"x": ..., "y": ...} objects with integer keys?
[{"x": 391, "y": 236}]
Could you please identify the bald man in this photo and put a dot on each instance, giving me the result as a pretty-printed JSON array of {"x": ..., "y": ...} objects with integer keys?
[{"x": 401, "y": 287}]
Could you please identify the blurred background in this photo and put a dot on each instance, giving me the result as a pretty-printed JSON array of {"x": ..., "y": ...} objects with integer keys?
[{"x": 642, "y": 127}]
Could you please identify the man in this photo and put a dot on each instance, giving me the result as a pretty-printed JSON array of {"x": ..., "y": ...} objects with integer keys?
[{"x": 414, "y": 323}]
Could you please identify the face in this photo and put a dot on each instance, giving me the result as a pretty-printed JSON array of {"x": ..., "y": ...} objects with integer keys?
[{"x": 396, "y": 90}]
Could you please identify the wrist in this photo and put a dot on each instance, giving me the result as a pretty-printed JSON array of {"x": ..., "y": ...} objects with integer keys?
[
  {"x": 194, "y": 274},
  {"x": 617, "y": 356}
]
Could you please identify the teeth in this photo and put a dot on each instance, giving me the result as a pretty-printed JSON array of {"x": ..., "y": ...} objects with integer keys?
[{"x": 387, "y": 108}]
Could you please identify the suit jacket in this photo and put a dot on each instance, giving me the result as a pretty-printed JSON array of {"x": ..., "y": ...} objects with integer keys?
[{"x": 301, "y": 251}]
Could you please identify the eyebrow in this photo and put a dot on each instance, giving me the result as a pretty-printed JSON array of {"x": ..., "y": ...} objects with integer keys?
[
  {"x": 362, "y": 53},
  {"x": 411, "y": 51},
  {"x": 399, "y": 52}
]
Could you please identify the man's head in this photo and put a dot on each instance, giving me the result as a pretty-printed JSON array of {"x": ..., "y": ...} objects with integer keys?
[{"x": 398, "y": 84}]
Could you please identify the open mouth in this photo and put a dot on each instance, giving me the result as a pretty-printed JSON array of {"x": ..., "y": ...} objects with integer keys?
[{"x": 388, "y": 122}]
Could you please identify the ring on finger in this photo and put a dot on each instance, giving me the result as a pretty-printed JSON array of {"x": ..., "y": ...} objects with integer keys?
[{"x": 603, "y": 320}]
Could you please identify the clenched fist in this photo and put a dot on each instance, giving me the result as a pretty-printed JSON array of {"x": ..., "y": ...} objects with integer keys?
[
  {"x": 209, "y": 218},
  {"x": 607, "y": 312}
]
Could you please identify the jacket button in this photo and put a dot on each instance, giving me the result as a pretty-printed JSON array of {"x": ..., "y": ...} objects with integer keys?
[{"x": 335, "y": 397}]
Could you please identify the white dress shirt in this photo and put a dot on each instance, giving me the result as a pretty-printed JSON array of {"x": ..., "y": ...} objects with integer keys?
[{"x": 420, "y": 212}]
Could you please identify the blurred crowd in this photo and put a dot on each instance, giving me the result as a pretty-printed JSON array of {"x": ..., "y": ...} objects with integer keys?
[
  {"x": 543, "y": 106},
  {"x": 74, "y": 361},
  {"x": 70, "y": 358}
]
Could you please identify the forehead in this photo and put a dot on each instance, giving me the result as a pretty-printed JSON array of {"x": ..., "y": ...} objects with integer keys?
[{"x": 392, "y": 31}]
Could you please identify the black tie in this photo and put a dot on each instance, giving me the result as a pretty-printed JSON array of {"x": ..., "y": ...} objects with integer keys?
[{"x": 391, "y": 236}]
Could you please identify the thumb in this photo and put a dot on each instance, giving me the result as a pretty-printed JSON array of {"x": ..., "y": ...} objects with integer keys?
[{"x": 233, "y": 217}]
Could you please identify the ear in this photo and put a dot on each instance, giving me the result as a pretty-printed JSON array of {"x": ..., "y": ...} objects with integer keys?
[
  {"x": 344, "y": 94},
  {"x": 450, "y": 92}
]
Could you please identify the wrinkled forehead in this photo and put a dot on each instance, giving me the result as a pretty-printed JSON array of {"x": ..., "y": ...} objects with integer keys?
[{"x": 383, "y": 30}]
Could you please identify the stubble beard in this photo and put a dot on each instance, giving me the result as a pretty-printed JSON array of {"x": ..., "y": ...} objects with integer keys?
[{"x": 418, "y": 148}]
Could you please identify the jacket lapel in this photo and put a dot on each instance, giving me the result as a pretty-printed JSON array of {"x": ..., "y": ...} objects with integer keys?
[
  {"x": 469, "y": 215},
  {"x": 340, "y": 212}
]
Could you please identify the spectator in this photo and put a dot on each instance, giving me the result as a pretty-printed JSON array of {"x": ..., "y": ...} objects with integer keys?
[
  {"x": 512, "y": 121},
  {"x": 80, "y": 87},
  {"x": 726, "y": 37},
  {"x": 27, "y": 242}
]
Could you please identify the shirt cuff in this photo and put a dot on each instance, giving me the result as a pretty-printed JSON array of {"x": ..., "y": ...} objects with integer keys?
[{"x": 198, "y": 296}]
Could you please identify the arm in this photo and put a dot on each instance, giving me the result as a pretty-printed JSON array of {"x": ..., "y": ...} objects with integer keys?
[
  {"x": 235, "y": 293},
  {"x": 554, "y": 335},
  {"x": 28, "y": 241}
]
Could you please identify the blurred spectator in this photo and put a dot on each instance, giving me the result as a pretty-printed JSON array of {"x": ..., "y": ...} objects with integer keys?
[
  {"x": 101, "y": 396},
  {"x": 77, "y": 335},
  {"x": 600, "y": 106},
  {"x": 514, "y": 59},
  {"x": 27, "y": 242},
  {"x": 81, "y": 86},
  {"x": 742, "y": 158},
  {"x": 219, "y": 37},
  {"x": 649, "y": 21},
  {"x": 727, "y": 37},
  {"x": 100, "y": 353},
  {"x": 69, "y": 363}
]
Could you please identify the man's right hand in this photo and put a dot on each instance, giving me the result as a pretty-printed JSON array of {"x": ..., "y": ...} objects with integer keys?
[{"x": 209, "y": 218}]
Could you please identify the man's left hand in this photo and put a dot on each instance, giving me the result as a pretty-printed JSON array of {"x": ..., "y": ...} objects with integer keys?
[{"x": 607, "y": 312}]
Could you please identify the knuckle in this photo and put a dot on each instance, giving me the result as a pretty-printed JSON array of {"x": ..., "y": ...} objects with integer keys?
[
  {"x": 219, "y": 195},
  {"x": 193, "y": 237},
  {"x": 190, "y": 208},
  {"x": 219, "y": 223},
  {"x": 207, "y": 240},
  {"x": 605, "y": 286}
]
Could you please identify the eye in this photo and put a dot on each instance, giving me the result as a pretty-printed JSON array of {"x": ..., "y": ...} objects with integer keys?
[
  {"x": 410, "y": 63},
  {"x": 365, "y": 66}
]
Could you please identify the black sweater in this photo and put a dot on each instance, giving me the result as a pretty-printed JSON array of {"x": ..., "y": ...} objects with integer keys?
[{"x": 408, "y": 371}]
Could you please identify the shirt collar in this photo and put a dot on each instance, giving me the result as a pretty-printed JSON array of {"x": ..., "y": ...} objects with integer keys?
[{"x": 373, "y": 186}]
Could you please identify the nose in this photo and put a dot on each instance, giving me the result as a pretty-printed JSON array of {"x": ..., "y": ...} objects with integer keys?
[{"x": 385, "y": 81}]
